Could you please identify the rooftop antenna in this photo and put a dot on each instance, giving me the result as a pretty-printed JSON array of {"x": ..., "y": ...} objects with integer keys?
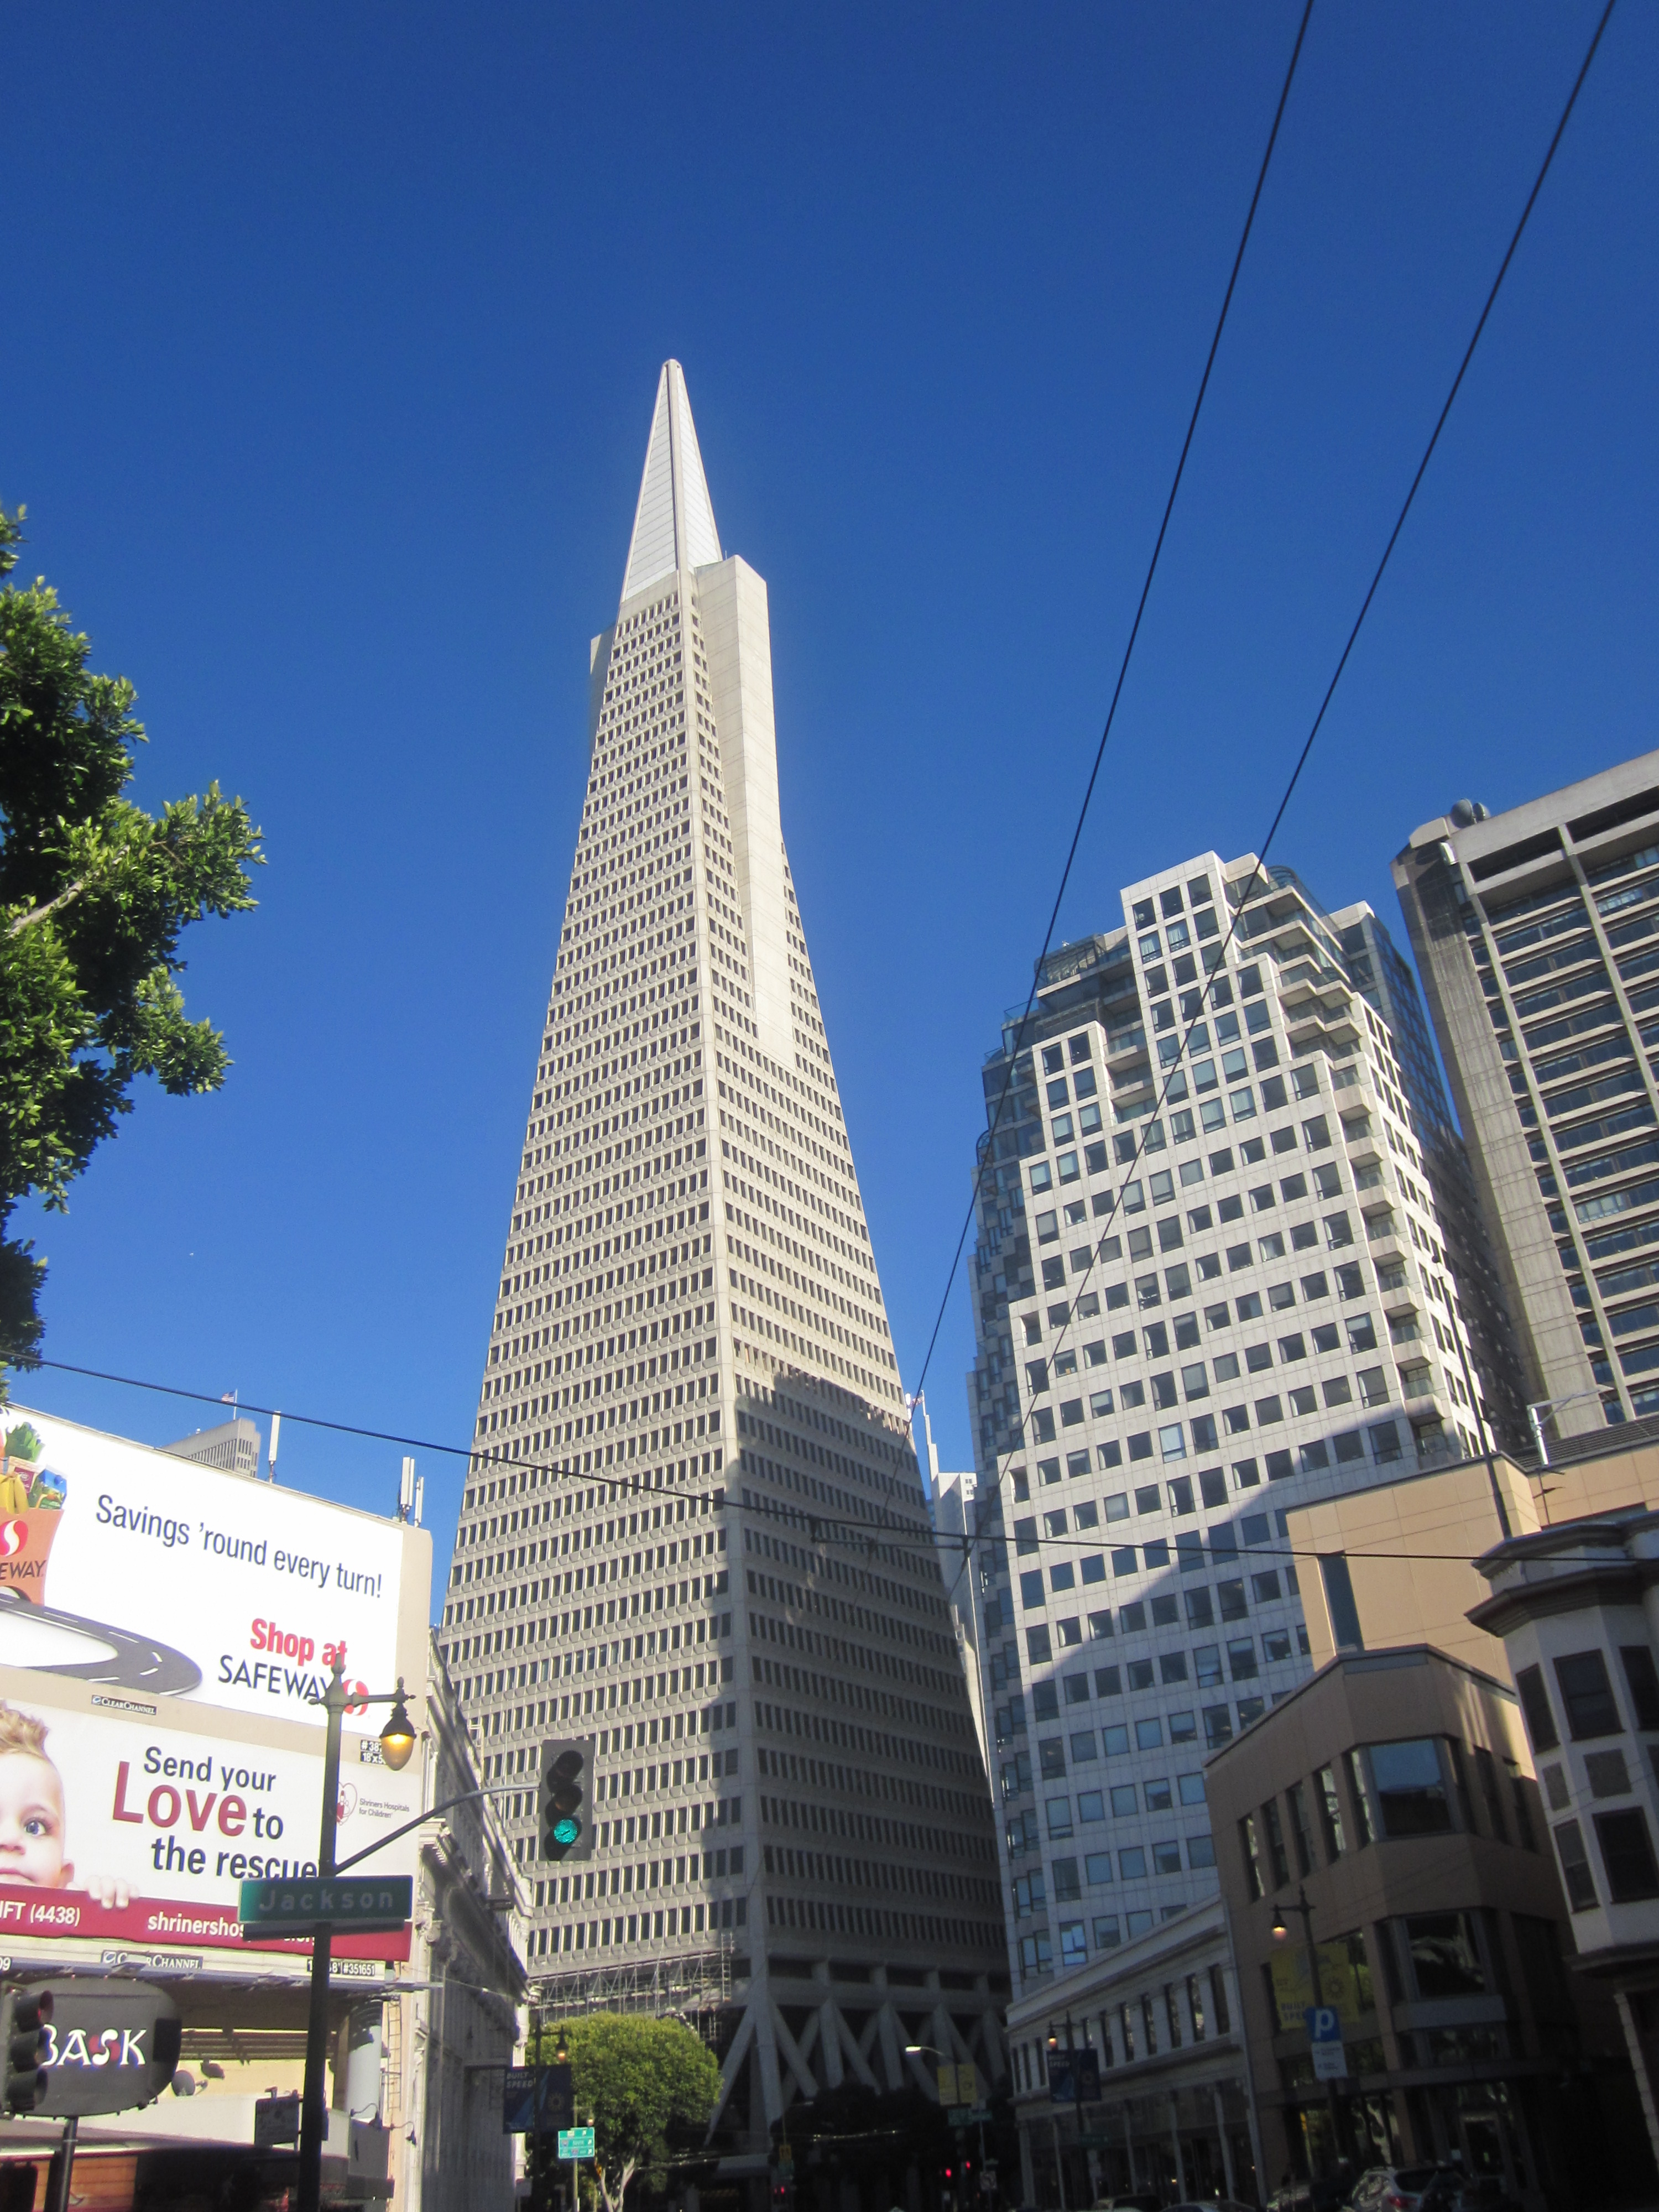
[
  {"x": 406, "y": 1490},
  {"x": 420, "y": 1497},
  {"x": 276, "y": 1432}
]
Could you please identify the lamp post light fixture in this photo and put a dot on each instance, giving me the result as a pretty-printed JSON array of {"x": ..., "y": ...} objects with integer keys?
[
  {"x": 1539, "y": 1407},
  {"x": 397, "y": 1744}
]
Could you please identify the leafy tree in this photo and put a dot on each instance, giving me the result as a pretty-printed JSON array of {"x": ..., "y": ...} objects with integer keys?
[
  {"x": 634, "y": 2080},
  {"x": 95, "y": 895}
]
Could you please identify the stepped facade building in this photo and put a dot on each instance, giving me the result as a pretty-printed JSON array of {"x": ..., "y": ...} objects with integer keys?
[
  {"x": 695, "y": 1529},
  {"x": 1218, "y": 1273}
]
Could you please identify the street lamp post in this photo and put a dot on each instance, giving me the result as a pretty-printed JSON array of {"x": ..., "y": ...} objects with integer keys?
[
  {"x": 397, "y": 1742},
  {"x": 1280, "y": 1931},
  {"x": 1539, "y": 1407}
]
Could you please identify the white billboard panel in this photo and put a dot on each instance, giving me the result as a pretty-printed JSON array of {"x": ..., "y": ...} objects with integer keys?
[{"x": 151, "y": 1576}]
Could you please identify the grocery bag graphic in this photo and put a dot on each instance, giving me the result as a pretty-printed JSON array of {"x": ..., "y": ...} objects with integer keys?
[{"x": 30, "y": 1514}]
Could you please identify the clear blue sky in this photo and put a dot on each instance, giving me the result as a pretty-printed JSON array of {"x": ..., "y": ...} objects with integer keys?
[{"x": 327, "y": 347}]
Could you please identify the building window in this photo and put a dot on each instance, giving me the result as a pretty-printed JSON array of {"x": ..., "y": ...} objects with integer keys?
[
  {"x": 1644, "y": 1683},
  {"x": 1575, "y": 1876},
  {"x": 1444, "y": 1955},
  {"x": 1330, "y": 1813},
  {"x": 1627, "y": 1855},
  {"x": 1586, "y": 1696},
  {"x": 1250, "y": 1851},
  {"x": 1410, "y": 1788},
  {"x": 1536, "y": 1706},
  {"x": 1360, "y": 1794}
]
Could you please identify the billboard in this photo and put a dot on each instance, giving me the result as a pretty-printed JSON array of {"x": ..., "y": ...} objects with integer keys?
[
  {"x": 161, "y": 1578},
  {"x": 138, "y": 1821}
]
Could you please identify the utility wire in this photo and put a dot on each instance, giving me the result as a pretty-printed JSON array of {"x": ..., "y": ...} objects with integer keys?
[
  {"x": 1123, "y": 666},
  {"x": 861, "y": 1534},
  {"x": 1301, "y": 762},
  {"x": 800, "y": 1520}
]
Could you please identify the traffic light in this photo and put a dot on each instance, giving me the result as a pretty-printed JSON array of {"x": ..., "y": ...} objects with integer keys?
[
  {"x": 23, "y": 2017},
  {"x": 566, "y": 1788}
]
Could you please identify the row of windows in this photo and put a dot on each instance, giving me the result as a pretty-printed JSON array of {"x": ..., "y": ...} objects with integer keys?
[
  {"x": 1135, "y": 1862},
  {"x": 1152, "y": 1733},
  {"x": 1416, "y": 1787}
]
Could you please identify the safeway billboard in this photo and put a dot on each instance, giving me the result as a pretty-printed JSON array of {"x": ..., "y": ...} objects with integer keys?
[
  {"x": 142, "y": 1823},
  {"x": 144, "y": 1573}
]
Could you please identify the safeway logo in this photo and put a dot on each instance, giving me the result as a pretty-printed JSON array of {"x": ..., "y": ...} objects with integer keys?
[{"x": 14, "y": 1538}]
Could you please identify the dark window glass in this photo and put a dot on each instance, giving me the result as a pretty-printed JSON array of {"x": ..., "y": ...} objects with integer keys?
[
  {"x": 1411, "y": 1789},
  {"x": 1536, "y": 1706},
  {"x": 1443, "y": 1955},
  {"x": 1587, "y": 1694},
  {"x": 1643, "y": 1680},
  {"x": 1576, "y": 1873},
  {"x": 1627, "y": 1855},
  {"x": 1275, "y": 1831}
]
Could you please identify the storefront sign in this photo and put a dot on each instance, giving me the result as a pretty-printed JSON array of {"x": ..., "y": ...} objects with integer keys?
[{"x": 108, "y": 2047}]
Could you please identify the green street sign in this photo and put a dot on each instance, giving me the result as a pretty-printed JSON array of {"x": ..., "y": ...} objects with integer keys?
[
  {"x": 967, "y": 2116},
  {"x": 575, "y": 2142},
  {"x": 299, "y": 1908}
]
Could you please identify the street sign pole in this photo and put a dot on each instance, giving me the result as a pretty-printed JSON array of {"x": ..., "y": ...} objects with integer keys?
[
  {"x": 62, "y": 2167},
  {"x": 314, "y": 2114}
]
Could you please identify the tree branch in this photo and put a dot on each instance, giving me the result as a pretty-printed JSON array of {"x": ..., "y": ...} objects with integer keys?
[{"x": 23, "y": 922}]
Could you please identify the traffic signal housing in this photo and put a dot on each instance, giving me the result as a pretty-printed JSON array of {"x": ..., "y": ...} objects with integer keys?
[
  {"x": 23, "y": 2017},
  {"x": 565, "y": 1798}
]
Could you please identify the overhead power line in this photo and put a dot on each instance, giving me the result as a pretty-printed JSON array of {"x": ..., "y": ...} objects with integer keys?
[
  {"x": 1303, "y": 757},
  {"x": 1128, "y": 654}
]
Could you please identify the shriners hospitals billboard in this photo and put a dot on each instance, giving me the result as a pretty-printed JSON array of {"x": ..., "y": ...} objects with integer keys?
[
  {"x": 128, "y": 1568},
  {"x": 127, "y": 1819},
  {"x": 164, "y": 1627}
]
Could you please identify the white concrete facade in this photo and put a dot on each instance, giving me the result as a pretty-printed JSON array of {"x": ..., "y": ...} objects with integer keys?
[
  {"x": 1210, "y": 1282},
  {"x": 696, "y": 1529}
]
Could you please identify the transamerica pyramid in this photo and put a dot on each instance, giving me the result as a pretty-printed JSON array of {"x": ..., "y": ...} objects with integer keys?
[{"x": 694, "y": 1530}]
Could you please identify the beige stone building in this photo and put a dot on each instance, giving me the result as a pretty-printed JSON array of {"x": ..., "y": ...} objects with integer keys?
[
  {"x": 1394, "y": 1562},
  {"x": 1384, "y": 1858}
]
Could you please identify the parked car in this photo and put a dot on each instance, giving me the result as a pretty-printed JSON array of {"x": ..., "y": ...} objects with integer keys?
[
  {"x": 1454, "y": 2191},
  {"x": 1405, "y": 2189},
  {"x": 1326, "y": 2192},
  {"x": 1137, "y": 2200},
  {"x": 1213, "y": 2204}
]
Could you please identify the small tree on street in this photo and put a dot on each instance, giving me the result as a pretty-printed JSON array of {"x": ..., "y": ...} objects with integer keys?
[
  {"x": 632, "y": 2079},
  {"x": 95, "y": 895}
]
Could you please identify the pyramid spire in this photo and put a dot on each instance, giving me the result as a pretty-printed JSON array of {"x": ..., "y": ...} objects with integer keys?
[{"x": 674, "y": 521}]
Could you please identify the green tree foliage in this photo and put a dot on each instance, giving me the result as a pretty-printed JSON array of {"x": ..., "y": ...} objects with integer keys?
[
  {"x": 636, "y": 2081},
  {"x": 95, "y": 895}
]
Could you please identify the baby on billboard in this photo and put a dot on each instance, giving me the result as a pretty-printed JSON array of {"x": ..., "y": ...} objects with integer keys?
[{"x": 34, "y": 1820}]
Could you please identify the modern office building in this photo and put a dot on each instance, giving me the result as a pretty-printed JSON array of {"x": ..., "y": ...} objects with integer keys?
[
  {"x": 695, "y": 1531},
  {"x": 1212, "y": 1280},
  {"x": 1535, "y": 933}
]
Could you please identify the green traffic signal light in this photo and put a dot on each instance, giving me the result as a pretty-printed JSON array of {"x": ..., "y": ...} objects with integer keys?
[
  {"x": 566, "y": 1832},
  {"x": 23, "y": 2017}
]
